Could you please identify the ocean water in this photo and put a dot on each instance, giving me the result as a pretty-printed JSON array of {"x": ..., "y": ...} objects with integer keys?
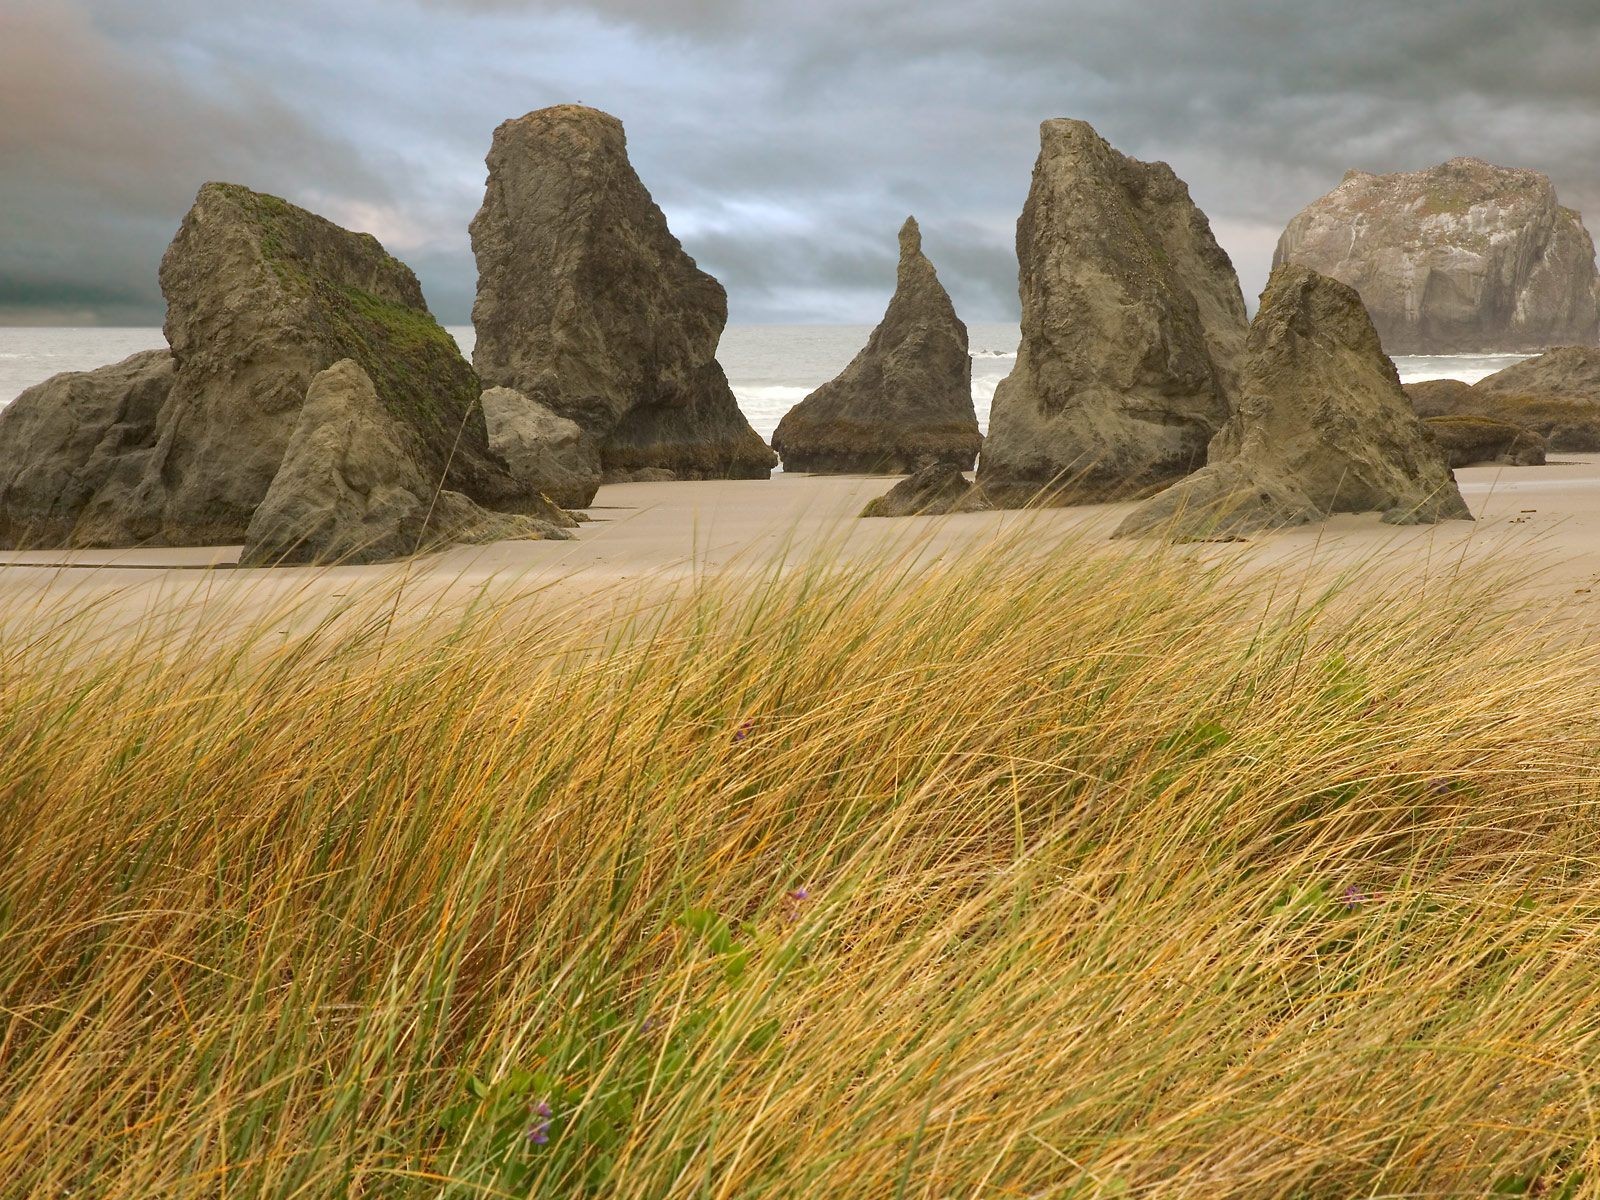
[{"x": 771, "y": 367}]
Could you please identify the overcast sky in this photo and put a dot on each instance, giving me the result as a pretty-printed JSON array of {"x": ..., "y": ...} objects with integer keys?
[{"x": 786, "y": 140}]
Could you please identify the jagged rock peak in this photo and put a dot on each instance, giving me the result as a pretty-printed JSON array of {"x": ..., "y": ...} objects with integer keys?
[
  {"x": 1322, "y": 426},
  {"x": 1132, "y": 321},
  {"x": 905, "y": 401}
]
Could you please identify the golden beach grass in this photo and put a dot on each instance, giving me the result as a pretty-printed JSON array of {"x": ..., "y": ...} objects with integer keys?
[{"x": 1102, "y": 877}]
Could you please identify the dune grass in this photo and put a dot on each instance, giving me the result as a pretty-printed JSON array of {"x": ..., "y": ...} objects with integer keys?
[{"x": 1102, "y": 877}]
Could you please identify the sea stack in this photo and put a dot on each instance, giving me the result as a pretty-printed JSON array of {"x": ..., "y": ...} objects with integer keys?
[
  {"x": 1132, "y": 322},
  {"x": 1460, "y": 258},
  {"x": 905, "y": 401},
  {"x": 1322, "y": 426},
  {"x": 262, "y": 296},
  {"x": 586, "y": 298}
]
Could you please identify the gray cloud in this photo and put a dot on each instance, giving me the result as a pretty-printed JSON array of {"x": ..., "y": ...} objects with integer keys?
[{"x": 786, "y": 142}]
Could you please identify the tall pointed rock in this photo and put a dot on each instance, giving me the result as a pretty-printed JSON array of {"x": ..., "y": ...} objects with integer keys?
[
  {"x": 1322, "y": 426},
  {"x": 586, "y": 300},
  {"x": 904, "y": 402},
  {"x": 1132, "y": 320}
]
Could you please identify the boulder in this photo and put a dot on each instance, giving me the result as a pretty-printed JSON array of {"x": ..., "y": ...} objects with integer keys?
[
  {"x": 1322, "y": 426},
  {"x": 71, "y": 446},
  {"x": 261, "y": 297},
  {"x": 1469, "y": 440},
  {"x": 1556, "y": 396},
  {"x": 905, "y": 401},
  {"x": 546, "y": 452},
  {"x": 1132, "y": 324},
  {"x": 1462, "y": 257},
  {"x": 1442, "y": 397},
  {"x": 350, "y": 488},
  {"x": 936, "y": 489},
  {"x": 580, "y": 280},
  {"x": 1568, "y": 372}
]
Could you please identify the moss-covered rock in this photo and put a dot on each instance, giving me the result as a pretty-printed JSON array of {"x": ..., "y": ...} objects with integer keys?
[{"x": 1471, "y": 440}]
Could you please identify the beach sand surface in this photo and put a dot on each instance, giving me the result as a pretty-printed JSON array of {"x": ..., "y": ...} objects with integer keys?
[{"x": 1539, "y": 527}]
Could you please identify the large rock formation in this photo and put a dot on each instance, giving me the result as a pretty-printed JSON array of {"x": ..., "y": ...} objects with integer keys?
[
  {"x": 905, "y": 401},
  {"x": 1556, "y": 395},
  {"x": 350, "y": 488},
  {"x": 1463, "y": 257},
  {"x": 546, "y": 451},
  {"x": 936, "y": 489},
  {"x": 579, "y": 277},
  {"x": 1322, "y": 426},
  {"x": 1132, "y": 320},
  {"x": 70, "y": 448},
  {"x": 261, "y": 297}
]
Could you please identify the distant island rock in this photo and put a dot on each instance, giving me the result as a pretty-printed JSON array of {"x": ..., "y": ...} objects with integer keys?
[
  {"x": 1322, "y": 426},
  {"x": 588, "y": 303},
  {"x": 905, "y": 401},
  {"x": 181, "y": 449},
  {"x": 1132, "y": 323},
  {"x": 1462, "y": 257}
]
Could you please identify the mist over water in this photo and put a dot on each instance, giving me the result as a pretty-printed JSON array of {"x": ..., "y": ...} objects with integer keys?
[{"x": 771, "y": 367}]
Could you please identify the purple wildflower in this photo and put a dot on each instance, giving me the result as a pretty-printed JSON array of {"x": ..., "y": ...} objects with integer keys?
[
  {"x": 744, "y": 730},
  {"x": 539, "y": 1130},
  {"x": 800, "y": 895},
  {"x": 1354, "y": 896}
]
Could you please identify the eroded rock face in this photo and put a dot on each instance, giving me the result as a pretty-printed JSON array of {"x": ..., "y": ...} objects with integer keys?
[
  {"x": 580, "y": 279},
  {"x": 905, "y": 401},
  {"x": 936, "y": 489},
  {"x": 350, "y": 489},
  {"x": 1322, "y": 426},
  {"x": 1465, "y": 256},
  {"x": 546, "y": 452},
  {"x": 1132, "y": 322},
  {"x": 72, "y": 447},
  {"x": 261, "y": 297},
  {"x": 1477, "y": 440}
]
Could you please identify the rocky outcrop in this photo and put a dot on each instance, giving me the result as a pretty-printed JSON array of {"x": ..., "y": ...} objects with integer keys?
[
  {"x": 1441, "y": 397},
  {"x": 350, "y": 489},
  {"x": 1556, "y": 396},
  {"x": 1569, "y": 372},
  {"x": 936, "y": 489},
  {"x": 1467, "y": 441},
  {"x": 905, "y": 401},
  {"x": 546, "y": 452},
  {"x": 261, "y": 297},
  {"x": 580, "y": 279},
  {"x": 1465, "y": 256},
  {"x": 1322, "y": 427},
  {"x": 71, "y": 447},
  {"x": 1132, "y": 322}
]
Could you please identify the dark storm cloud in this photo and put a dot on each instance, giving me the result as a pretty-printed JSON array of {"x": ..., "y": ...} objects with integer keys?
[{"x": 786, "y": 141}]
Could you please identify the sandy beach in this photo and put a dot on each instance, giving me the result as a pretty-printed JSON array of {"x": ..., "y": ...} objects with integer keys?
[{"x": 1538, "y": 526}]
